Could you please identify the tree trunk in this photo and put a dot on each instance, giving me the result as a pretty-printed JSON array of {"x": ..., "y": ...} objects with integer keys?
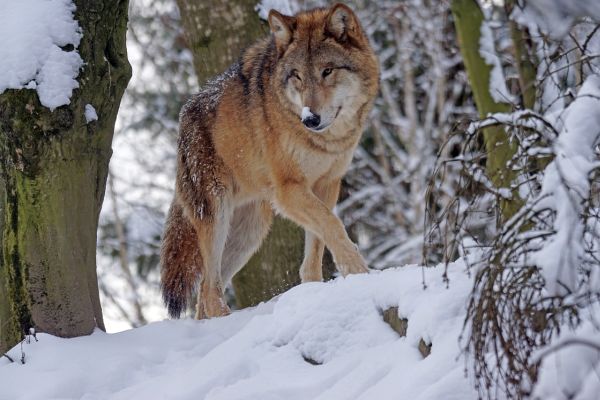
[
  {"x": 274, "y": 268},
  {"x": 468, "y": 19},
  {"x": 53, "y": 169},
  {"x": 217, "y": 32},
  {"x": 524, "y": 63}
]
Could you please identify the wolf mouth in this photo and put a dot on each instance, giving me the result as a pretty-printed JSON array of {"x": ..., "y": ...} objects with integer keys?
[
  {"x": 323, "y": 127},
  {"x": 337, "y": 112},
  {"x": 318, "y": 129}
]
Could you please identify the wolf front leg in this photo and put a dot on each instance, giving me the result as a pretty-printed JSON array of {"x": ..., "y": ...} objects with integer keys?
[
  {"x": 212, "y": 233},
  {"x": 312, "y": 266},
  {"x": 297, "y": 202}
]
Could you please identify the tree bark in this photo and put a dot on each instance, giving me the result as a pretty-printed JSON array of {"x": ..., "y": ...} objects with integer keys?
[
  {"x": 468, "y": 19},
  {"x": 524, "y": 63},
  {"x": 53, "y": 169},
  {"x": 274, "y": 268},
  {"x": 218, "y": 31}
]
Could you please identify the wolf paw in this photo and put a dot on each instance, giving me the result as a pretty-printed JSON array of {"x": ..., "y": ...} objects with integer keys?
[
  {"x": 312, "y": 273},
  {"x": 352, "y": 265},
  {"x": 216, "y": 308},
  {"x": 212, "y": 306}
]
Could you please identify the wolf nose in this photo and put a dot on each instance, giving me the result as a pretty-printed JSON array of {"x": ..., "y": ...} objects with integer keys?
[{"x": 312, "y": 121}]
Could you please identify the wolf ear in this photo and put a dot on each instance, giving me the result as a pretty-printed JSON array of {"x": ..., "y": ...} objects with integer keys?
[
  {"x": 282, "y": 28},
  {"x": 343, "y": 24}
]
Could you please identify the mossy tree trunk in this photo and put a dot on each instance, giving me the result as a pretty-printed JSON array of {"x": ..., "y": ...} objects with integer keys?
[
  {"x": 525, "y": 64},
  {"x": 468, "y": 19},
  {"x": 274, "y": 268},
  {"x": 217, "y": 32},
  {"x": 525, "y": 58},
  {"x": 53, "y": 169}
]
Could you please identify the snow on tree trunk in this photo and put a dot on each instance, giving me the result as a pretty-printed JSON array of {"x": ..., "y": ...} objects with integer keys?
[{"x": 53, "y": 169}]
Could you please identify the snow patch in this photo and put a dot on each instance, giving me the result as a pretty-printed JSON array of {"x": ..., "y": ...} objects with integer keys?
[
  {"x": 90, "y": 113},
  {"x": 34, "y": 33},
  {"x": 570, "y": 370}
]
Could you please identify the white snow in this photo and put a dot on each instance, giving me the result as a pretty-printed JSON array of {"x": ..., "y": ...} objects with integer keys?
[
  {"x": 566, "y": 187},
  {"x": 259, "y": 353},
  {"x": 32, "y": 33},
  {"x": 573, "y": 366},
  {"x": 90, "y": 113},
  {"x": 269, "y": 352},
  {"x": 557, "y": 16},
  {"x": 306, "y": 113}
]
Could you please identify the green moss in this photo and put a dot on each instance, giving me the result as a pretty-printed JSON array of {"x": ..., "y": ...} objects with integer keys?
[{"x": 15, "y": 317}]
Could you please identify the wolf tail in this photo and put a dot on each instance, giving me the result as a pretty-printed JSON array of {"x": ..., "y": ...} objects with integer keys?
[{"x": 181, "y": 261}]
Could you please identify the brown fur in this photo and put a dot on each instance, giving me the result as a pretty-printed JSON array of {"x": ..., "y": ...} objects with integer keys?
[{"x": 243, "y": 148}]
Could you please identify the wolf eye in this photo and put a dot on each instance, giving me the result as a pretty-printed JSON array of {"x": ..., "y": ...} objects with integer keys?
[
  {"x": 327, "y": 71},
  {"x": 295, "y": 74}
]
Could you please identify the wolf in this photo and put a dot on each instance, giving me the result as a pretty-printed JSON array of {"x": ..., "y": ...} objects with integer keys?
[{"x": 275, "y": 132}]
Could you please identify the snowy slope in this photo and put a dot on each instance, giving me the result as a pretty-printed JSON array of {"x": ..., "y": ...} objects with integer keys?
[{"x": 260, "y": 353}]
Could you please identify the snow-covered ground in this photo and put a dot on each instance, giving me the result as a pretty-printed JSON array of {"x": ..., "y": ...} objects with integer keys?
[
  {"x": 318, "y": 341},
  {"x": 263, "y": 353}
]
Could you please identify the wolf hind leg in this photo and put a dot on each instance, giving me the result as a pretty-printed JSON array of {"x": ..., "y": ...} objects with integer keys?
[
  {"x": 249, "y": 226},
  {"x": 211, "y": 234}
]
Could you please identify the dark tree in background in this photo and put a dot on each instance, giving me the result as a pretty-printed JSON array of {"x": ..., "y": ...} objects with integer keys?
[
  {"x": 218, "y": 31},
  {"x": 53, "y": 169},
  {"x": 468, "y": 18}
]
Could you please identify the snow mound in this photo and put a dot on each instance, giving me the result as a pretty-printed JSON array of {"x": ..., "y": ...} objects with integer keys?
[
  {"x": 270, "y": 351},
  {"x": 39, "y": 38}
]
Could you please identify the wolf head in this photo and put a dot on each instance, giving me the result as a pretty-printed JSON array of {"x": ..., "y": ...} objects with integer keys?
[{"x": 326, "y": 69}]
